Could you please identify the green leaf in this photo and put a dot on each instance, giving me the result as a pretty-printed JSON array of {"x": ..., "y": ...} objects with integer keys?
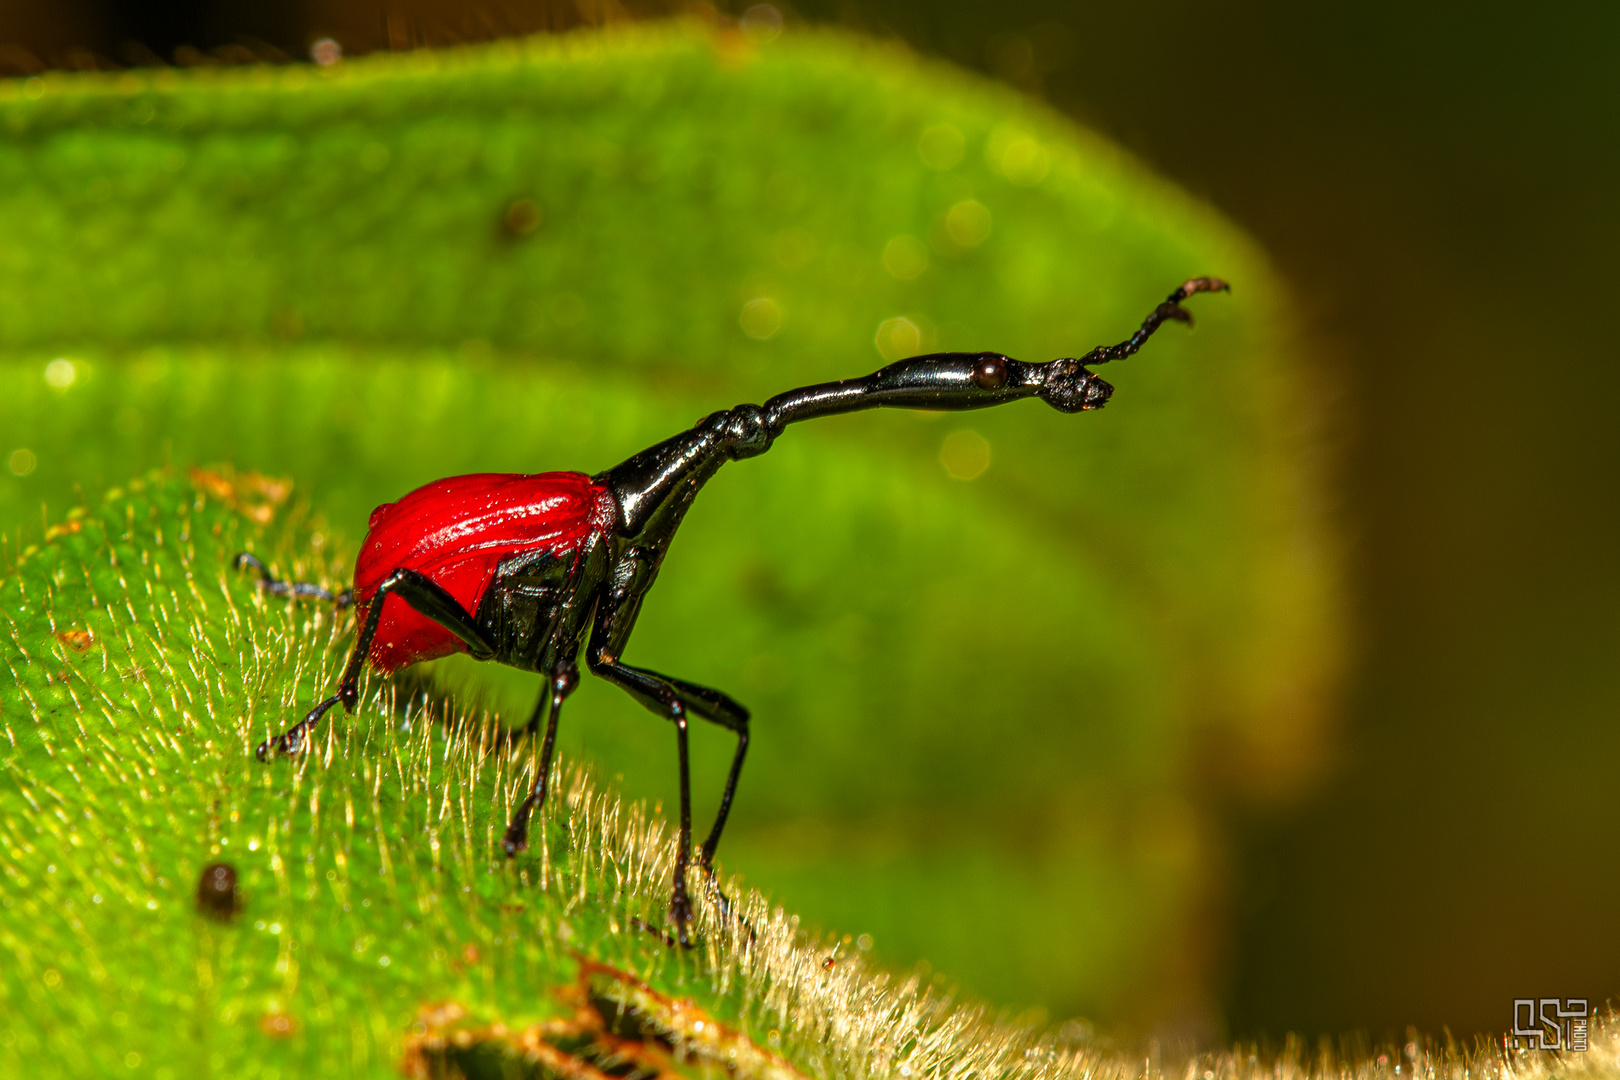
[
  {"x": 985, "y": 709},
  {"x": 373, "y": 915}
]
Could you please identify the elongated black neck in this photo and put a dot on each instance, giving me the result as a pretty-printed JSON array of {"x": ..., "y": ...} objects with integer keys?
[
  {"x": 656, "y": 487},
  {"x": 948, "y": 381}
]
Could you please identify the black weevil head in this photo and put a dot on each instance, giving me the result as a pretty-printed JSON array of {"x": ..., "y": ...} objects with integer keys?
[{"x": 1071, "y": 388}]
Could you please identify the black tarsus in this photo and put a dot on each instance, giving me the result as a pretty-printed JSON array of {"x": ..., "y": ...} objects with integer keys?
[
  {"x": 291, "y": 741},
  {"x": 638, "y": 923},
  {"x": 269, "y": 583}
]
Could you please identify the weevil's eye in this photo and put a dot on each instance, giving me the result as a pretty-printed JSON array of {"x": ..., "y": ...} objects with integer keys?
[{"x": 990, "y": 373}]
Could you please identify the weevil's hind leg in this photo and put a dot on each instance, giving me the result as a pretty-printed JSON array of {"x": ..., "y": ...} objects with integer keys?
[
  {"x": 273, "y": 585},
  {"x": 1171, "y": 309},
  {"x": 673, "y": 699},
  {"x": 659, "y": 695},
  {"x": 564, "y": 677},
  {"x": 680, "y": 906},
  {"x": 429, "y": 598},
  {"x": 713, "y": 842},
  {"x": 709, "y": 704},
  {"x": 737, "y": 721}
]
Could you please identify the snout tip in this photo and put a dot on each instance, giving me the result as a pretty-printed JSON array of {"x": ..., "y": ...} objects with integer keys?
[{"x": 1096, "y": 394}]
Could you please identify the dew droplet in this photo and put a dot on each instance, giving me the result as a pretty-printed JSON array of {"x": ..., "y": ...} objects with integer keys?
[
  {"x": 968, "y": 223},
  {"x": 965, "y": 454},
  {"x": 905, "y": 257},
  {"x": 761, "y": 318}
]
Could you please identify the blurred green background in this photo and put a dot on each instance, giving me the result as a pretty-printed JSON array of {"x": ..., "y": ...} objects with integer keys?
[
  {"x": 996, "y": 659},
  {"x": 1437, "y": 187}
]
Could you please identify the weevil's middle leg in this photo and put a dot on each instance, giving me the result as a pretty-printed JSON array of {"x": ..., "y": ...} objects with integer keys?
[
  {"x": 680, "y": 906},
  {"x": 713, "y": 842},
  {"x": 564, "y": 678}
]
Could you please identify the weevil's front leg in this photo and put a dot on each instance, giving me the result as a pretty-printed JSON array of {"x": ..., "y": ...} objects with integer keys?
[
  {"x": 564, "y": 677},
  {"x": 273, "y": 585},
  {"x": 428, "y": 598}
]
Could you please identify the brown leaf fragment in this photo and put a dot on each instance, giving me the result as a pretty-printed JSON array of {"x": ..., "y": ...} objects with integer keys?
[
  {"x": 441, "y": 1015},
  {"x": 447, "y": 1052},
  {"x": 272, "y": 489},
  {"x": 648, "y": 1037},
  {"x": 213, "y": 484},
  {"x": 557, "y": 1062},
  {"x": 252, "y": 494},
  {"x": 692, "y": 1032},
  {"x": 77, "y": 640}
]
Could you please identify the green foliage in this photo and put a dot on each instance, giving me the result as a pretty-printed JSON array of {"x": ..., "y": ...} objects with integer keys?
[
  {"x": 373, "y": 905},
  {"x": 142, "y": 674},
  {"x": 376, "y": 929},
  {"x": 983, "y": 708}
]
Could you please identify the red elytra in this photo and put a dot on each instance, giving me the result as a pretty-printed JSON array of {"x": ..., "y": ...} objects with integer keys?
[{"x": 457, "y": 531}]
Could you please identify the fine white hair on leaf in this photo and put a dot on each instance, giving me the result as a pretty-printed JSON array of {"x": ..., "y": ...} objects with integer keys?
[{"x": 388, "y": 830}]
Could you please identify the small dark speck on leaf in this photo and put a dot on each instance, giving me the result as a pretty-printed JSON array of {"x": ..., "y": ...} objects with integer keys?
[
  {"x": 216, "y": 891},
  {"x": 522, "y": 217}
]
